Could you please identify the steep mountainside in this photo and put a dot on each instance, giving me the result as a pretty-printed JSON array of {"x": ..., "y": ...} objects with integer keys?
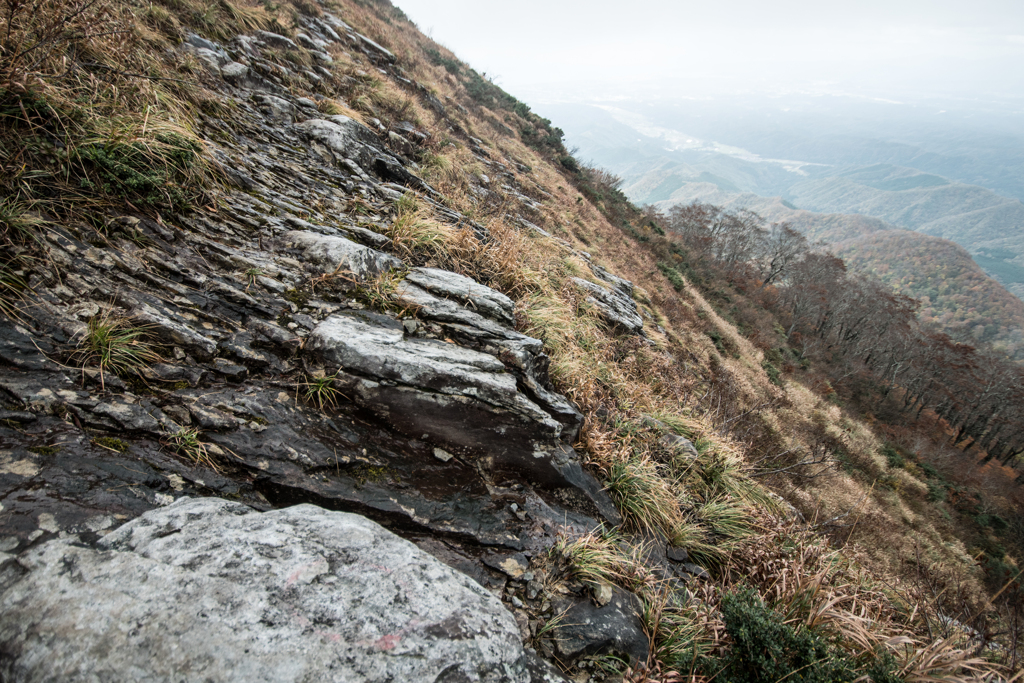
[{"x": 449, "y": 409}]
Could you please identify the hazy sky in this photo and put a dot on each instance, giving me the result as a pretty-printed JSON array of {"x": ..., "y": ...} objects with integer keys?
[{"x": 964, "y": 47}]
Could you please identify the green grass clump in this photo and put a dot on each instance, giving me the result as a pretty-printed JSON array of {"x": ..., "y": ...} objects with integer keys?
[
  {"x": 893, "y": 457},
  {"x": 114, "y": 345},
  {"x": 646, "y": 499},
  {"x": 414, "y": 232},
  {"x": 603, "y": 557},
  {"x": 678, "y": 283},
  {"x": 774, "y": 374},
  {"x": 320, "y": 390},
  {"x": 187, "y": 442}
]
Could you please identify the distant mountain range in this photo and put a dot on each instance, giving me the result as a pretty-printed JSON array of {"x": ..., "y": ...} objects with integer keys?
[{"x": 959, "y": 247}]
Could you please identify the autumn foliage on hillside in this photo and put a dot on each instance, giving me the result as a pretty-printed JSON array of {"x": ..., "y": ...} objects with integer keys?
[{"x": 953, "y": 290}]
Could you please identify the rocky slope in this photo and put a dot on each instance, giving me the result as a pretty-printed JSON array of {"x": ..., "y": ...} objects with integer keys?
[{"x": 282, "y": 381}]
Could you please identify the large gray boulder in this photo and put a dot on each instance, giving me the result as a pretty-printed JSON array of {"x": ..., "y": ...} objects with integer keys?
[
  {"x": 481, "y": 317},
  {"x": 207, "y": 589},
  {"x": 377, "y": 347}
]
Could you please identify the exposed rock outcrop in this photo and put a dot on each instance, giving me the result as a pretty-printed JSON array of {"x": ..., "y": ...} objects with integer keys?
[
  {"x": 213, "y": 590},
  {"x": 617, "y": 307},
  {"x": 439, "y": 421}
]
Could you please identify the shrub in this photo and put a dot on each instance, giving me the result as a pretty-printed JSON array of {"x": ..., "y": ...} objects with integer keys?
[
  {"x": 765, "y": 649},
  {"x": 936, "y": 492},
  {"x": 147, "y": 172},
  {"x": 893, "y": 456},
  {"x": 678, "y": 283},
  {"x": 450, "y": 65},
  {"x": 774, "y": 375}
]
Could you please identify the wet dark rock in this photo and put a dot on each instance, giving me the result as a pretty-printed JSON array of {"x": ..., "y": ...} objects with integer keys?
[
  {"x": 58, "y": 480},
  {"x": 615, "y": 628},
  {"x": 239, "y": 347},
  {"x": 18, "y": 416},
  {"x": 39, "y": 392},
  {"x": 677, "y": 554},
  {"x": 172, "y": 328},
  {"x": 18, "y": 349},
  {"x": 211, "y": 418},
  {"x": 514, "y": 565},
  {"x": 231, "y": 371},
  {"x": 127, "y": 416},
  {"x": 163, "y": 373},
  {"x": 275, "y": 335},
  {"x": 542, "y": 671}
]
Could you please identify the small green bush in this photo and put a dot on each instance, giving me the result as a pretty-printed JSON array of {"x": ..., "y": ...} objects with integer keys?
[
  {"x": 766, "y": 650},
  {"x": 774, "y": 375},
  {"x": 672, "y": 275},
  {"x": 936, "y": 492},
  {"x": 150, "y": 175},
  {"x": 893, "y": 457},
  {"x": 452, "y": 66}
]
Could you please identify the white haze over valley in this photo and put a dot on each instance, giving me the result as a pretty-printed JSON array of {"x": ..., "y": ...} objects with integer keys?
[
  {"x": 910, "y": 111},
  {"x": 875, "y": 48}
]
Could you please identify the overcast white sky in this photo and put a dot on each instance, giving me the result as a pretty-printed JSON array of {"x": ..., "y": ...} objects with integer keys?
[{"x": 965, "y": 47}]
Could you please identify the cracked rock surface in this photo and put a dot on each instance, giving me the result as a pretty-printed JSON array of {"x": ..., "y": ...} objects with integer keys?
[{"x": 214, "y": 589}]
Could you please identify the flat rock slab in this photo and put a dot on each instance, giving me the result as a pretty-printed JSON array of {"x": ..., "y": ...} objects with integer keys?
[
  {"x": 446, "y": 284},
  {"x": 376, "y": 347},
  {"x": 339, "y": 253},
  {"x": 206, "y": 589}
]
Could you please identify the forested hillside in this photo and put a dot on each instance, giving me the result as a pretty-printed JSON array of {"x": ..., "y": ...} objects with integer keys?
[{"x": 955, "y": 293}]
